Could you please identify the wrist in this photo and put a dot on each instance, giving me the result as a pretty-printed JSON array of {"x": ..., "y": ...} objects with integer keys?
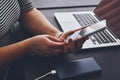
[{"x": 27, "y": 46}]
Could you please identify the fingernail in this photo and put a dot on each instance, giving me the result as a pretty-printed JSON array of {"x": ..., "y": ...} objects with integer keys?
[
  {"x": 70, "y": 40},
  {"x": 65, "y": 44}
]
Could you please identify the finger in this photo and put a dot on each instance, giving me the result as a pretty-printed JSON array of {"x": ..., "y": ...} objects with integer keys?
[
  {"x": 79, "y": 43},
  {"x": 55, "y": 39},
  {"x": 66, "y": 48},
  {"x": 56, "y": 45},
  {"x": 86, "y": 38},
  {"x": 66, "y": 34},
  {"x": 72, "y": 46}
]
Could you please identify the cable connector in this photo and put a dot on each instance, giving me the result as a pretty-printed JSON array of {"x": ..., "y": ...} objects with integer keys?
[{"x": 51, "y": 72}]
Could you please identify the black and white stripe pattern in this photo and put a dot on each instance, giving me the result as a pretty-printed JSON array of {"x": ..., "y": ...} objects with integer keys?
[
  {"x": 10, "y": 11},
  {"x": 9, "y": 14}
]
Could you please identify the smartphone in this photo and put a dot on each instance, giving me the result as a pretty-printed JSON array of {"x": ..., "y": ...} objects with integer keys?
[{"x": 89, "y": 30}]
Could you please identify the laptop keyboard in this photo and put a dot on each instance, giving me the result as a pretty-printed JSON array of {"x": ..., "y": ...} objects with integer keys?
[{"x": 102, "y": 36}]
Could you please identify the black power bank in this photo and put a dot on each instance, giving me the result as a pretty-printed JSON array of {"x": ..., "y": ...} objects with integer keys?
[{"x": 77, "y": 68}]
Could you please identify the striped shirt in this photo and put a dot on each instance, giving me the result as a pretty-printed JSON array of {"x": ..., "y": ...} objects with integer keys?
[{"x": 10, "y": 11}]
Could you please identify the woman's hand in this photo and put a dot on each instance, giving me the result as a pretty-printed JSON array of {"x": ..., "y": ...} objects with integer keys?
[
  {"x": 49, "y": 45},
  {"x": 72, "y": 46},
  {"x": 46, "y": 45}
]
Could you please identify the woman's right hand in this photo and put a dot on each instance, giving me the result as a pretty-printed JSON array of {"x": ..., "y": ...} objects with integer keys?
[{"x": 45, "y": 45}]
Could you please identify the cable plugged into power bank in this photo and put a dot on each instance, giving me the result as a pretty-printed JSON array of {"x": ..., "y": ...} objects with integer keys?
[
  {"x": 75, "y": 68},
  {"x": 51, "y": 72}
]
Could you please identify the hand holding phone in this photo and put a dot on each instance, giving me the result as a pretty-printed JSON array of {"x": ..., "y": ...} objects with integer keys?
[{"x": 89, "y": 30}]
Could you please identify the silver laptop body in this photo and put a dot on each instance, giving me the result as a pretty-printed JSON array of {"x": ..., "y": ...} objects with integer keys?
[{"x": 72, "y": 20}]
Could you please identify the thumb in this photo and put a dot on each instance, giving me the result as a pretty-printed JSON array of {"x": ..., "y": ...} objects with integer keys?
[
  {"x": 52, "y": 38},
  {"x": 56, "y": 45},
  {"x": 55, "y": 42}
]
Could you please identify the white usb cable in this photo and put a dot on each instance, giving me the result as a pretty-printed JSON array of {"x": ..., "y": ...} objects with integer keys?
[{"x": 51, "y": 72}]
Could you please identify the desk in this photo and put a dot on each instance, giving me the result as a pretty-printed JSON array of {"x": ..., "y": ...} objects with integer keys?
[{"x": 107, "y": 58}]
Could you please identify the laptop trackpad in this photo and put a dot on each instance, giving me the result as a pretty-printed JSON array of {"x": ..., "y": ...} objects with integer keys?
[{"x": 77, "y": 68}]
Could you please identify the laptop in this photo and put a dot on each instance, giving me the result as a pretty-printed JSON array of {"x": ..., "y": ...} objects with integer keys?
[{"x": 72, "y": 20}]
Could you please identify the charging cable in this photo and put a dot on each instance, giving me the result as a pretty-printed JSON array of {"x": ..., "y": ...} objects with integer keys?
[{"x": 51, "y": 72}]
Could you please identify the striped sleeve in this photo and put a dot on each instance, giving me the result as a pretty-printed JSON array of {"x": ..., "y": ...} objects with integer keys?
[{"x": 25, "y": 5}]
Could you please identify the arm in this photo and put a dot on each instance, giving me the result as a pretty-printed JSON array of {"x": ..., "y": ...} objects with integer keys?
[
  {"x": 12, "y": 52},
  {"x": 40, "y": 45},
  {"x": 36, "y": 22}
]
